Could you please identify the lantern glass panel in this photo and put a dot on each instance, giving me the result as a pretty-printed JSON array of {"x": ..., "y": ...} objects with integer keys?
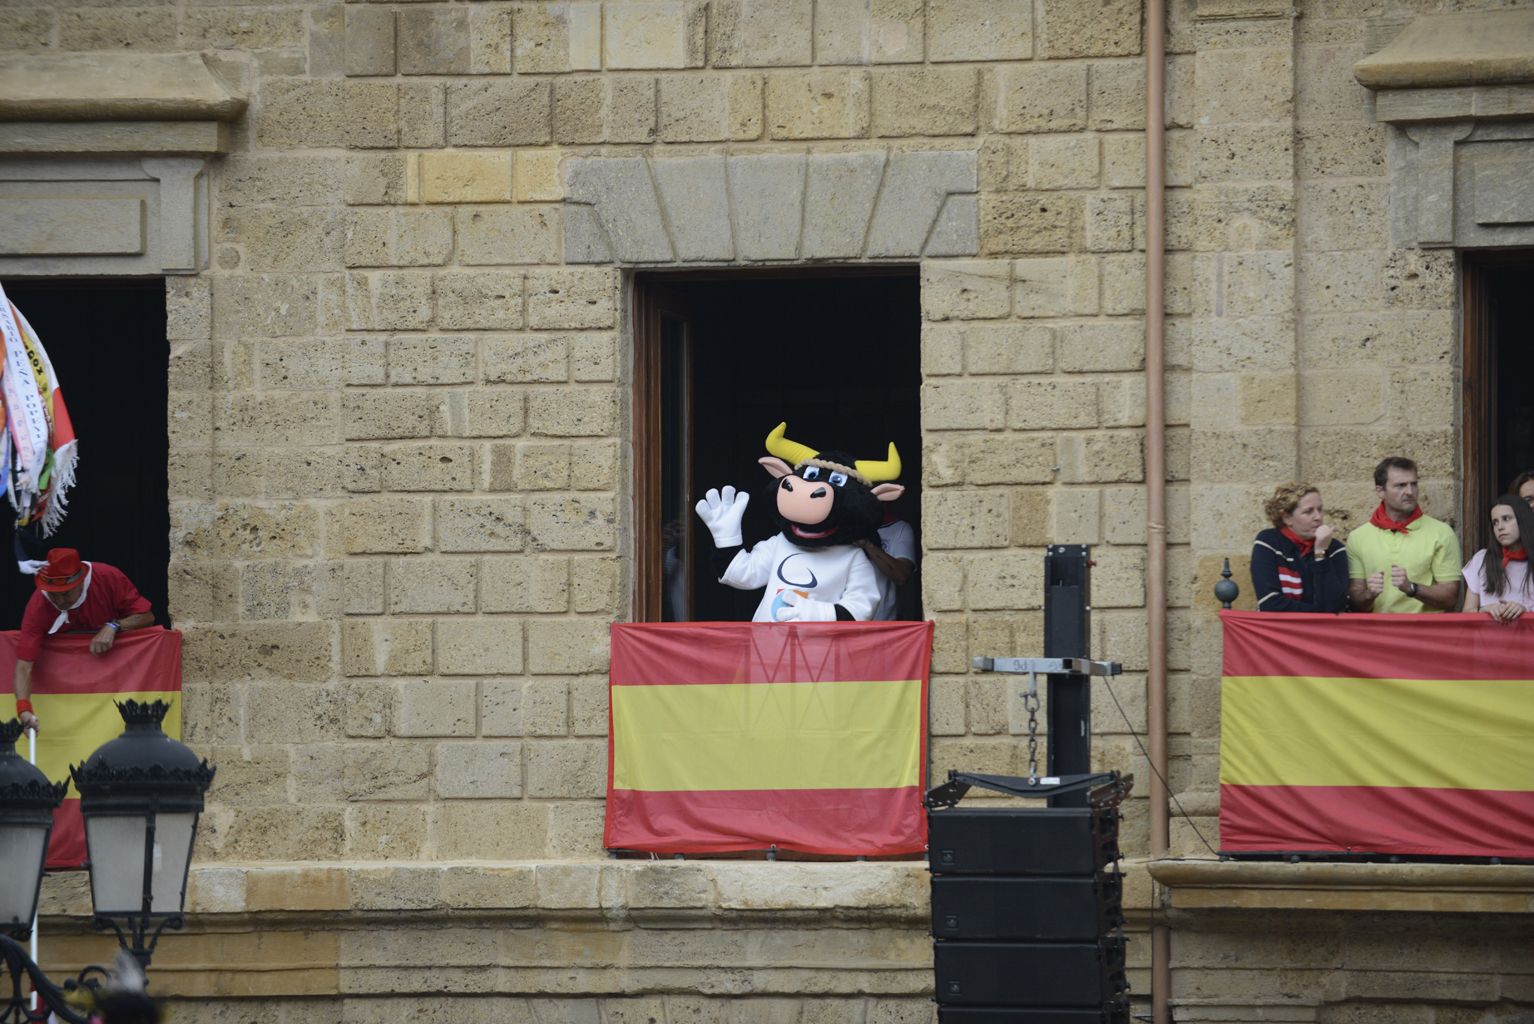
[
  {"x": 172, "y": 851},
  {"x": 21, "y": 854},
  {"x": 117, "y": 862}
]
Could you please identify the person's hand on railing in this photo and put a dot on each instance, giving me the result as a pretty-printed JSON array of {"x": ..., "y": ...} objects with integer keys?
[{"x": 1504, "y": 611}]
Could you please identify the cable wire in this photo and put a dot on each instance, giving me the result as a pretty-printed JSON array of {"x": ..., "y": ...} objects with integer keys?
[{"x": 1108, "y": 682}]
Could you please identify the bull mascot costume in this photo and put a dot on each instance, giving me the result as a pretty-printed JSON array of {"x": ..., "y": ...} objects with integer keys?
[{"x": 826, "y": 503}]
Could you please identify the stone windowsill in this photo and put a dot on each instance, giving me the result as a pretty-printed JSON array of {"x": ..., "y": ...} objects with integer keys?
[
  {"x": 612, "y": 889},
  {"x": 889, "y": 892},
  {"x": 877, "y": 891},
  {"x": 1419, "y": 888}
]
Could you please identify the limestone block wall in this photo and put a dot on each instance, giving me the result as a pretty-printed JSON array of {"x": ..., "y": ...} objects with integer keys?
[
  {"x": 399, "y": 412},
  {"x": 399, "y": 418}
]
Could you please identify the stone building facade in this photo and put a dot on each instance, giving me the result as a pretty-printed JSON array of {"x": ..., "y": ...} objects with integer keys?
[{"x": 399, "y": 243}]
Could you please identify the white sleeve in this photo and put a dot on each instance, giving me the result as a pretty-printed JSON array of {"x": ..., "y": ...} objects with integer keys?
[
  {"x": 1474, "y": 578},
  {"x": 751, "y": 569},
  {"x": 862, "y": 594}
]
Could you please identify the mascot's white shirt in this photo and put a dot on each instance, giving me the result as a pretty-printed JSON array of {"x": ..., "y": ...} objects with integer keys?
[{"x": 836, "y": 575}]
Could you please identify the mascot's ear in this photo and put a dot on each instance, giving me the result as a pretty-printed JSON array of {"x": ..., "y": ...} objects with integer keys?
[
  {"x": 777, "y": 467},
  {"x": 889, "y": 492}
]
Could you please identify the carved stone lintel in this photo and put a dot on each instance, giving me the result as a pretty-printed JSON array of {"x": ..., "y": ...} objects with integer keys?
[
  {"x": 102, "y": 160},
  {"x": 1457, "y": 91},
  {"x": 868, "y": 205}
]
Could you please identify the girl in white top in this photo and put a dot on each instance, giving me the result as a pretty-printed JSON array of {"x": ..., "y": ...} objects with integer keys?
[{"x": 1497, "y": 578}]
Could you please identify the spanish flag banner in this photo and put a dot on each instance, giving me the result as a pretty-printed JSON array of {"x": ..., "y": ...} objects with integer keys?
[
  {"x": 74, "y": 693},
  {"x": 732, "y": 736},
  {"x": 1384, "y": 734}
]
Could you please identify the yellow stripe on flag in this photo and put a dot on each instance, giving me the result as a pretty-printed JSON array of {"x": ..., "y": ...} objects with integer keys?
[
  {"x": 829, "y": 735},
  {"x": 73, "y": 725},
  {"x": 1301, "y": 731}
]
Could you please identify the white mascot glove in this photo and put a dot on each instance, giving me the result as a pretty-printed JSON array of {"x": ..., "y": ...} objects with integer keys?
[
  {"x": 805, "y": 609},
  {"x": 721, "y": 512}
]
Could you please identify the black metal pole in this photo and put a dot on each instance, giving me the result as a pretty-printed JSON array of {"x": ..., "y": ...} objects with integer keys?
[{"x": 1068, "y": 634}]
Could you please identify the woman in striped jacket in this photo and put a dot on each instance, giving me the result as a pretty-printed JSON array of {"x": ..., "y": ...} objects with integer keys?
[{"x": 1298, "y": 565}]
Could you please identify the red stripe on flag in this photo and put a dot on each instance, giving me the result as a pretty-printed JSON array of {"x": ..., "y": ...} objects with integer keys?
[
  {"x": 657, "y": 654},
  {"x": 875, "y": 822},
  {"x": 140, "y": 661},
  {"x": 66, "y": 846},
  {"x": 1377, "y": 819},
  {"x": 1437, "y": 646}
]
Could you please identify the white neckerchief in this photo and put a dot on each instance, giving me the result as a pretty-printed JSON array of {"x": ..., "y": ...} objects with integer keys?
[{"x": 58, "y": 623}]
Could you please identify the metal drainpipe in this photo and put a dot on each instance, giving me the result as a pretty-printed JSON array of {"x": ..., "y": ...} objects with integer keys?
[{"x": 1155, "y": 477}]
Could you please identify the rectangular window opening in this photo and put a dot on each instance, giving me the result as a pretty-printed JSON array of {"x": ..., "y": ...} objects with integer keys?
[
  {"x": 723, "y": 357},
  {"x": 106, "y": 339},
  {"x": 1498, "y": 412}
]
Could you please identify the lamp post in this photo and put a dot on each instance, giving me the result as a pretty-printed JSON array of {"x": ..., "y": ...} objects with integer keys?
[{"x": 140, "y": 796}]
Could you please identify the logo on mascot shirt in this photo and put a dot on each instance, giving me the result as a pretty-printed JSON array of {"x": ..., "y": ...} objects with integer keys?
[{"x": 778, "y": 604}]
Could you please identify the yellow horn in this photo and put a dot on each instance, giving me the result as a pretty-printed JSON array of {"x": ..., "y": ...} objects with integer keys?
[
  {"x": 881, "y": 472},
  {"x": 791, "y": 452}
]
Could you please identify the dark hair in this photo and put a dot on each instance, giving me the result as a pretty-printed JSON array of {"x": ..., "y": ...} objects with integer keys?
[
  {"x": 1493, "y": 575},
  {"x": 1389, "y": 462},
  {"x": 1519, "y": 481}
]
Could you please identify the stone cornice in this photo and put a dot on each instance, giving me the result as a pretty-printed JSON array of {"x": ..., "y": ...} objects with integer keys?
[
  {"x": 1472, "y": 48},
  {"x": 1419, "y": 888},
  {"x": 114, "y": 87}
]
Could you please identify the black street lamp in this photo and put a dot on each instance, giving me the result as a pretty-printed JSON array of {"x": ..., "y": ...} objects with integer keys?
[
  {"x": 27, "y": 800},
  {"x": 140, "y": 796}
]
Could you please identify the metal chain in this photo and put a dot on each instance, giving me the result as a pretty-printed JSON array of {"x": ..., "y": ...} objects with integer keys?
[{"x": 1031, "y": 705}]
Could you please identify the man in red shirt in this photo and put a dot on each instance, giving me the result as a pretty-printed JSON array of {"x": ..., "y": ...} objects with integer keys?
[{"x": 71, "y": 596}]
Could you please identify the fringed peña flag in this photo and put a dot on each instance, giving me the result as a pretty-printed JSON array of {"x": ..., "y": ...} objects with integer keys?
[
  {"x": 75, "y": 693},
  {"x": 38, "y": 451},
  {"x": 1377, "y": 734},
  {"x": 744, "y": 736}
]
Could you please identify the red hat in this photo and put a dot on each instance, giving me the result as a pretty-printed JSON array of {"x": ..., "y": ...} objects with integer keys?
[{"x": 61, "y": 572}]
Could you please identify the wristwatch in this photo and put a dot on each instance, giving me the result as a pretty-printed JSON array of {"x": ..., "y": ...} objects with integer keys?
[
  {"x": 1411, "y": 588},
  {"x": 117, "y": 627}
]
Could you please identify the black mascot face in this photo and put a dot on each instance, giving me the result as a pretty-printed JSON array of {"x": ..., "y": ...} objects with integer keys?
[{"x": 827, "y": 498}]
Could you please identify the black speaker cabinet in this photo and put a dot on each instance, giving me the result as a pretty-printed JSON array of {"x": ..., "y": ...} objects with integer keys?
[
  {"x": 1032, "y": 974},
  {"x": 1116, "y": 1013},
  {"x": 1037, "y": 908},
  {"x": 1023, "y": 841}
]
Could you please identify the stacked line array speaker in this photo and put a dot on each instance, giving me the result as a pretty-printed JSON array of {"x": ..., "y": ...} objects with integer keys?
[{"x": 1027, "y": 915}]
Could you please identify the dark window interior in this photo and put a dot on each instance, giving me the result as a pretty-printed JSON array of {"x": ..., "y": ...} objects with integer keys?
[
  {"x": 835, "y": 356},
  {"x": 1510, "y": 291},
  {"x": 106, "y": 340}
]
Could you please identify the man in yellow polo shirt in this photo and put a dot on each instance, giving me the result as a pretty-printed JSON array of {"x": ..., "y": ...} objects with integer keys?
[{"x": 1402, "y": 560}]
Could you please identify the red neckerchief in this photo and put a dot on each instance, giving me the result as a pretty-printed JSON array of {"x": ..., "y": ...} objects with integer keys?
[
  {"x": 1382, "y": 519},
  {"x": 1517, "y": 554},
  {"x": 1298, "y": 541}
]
